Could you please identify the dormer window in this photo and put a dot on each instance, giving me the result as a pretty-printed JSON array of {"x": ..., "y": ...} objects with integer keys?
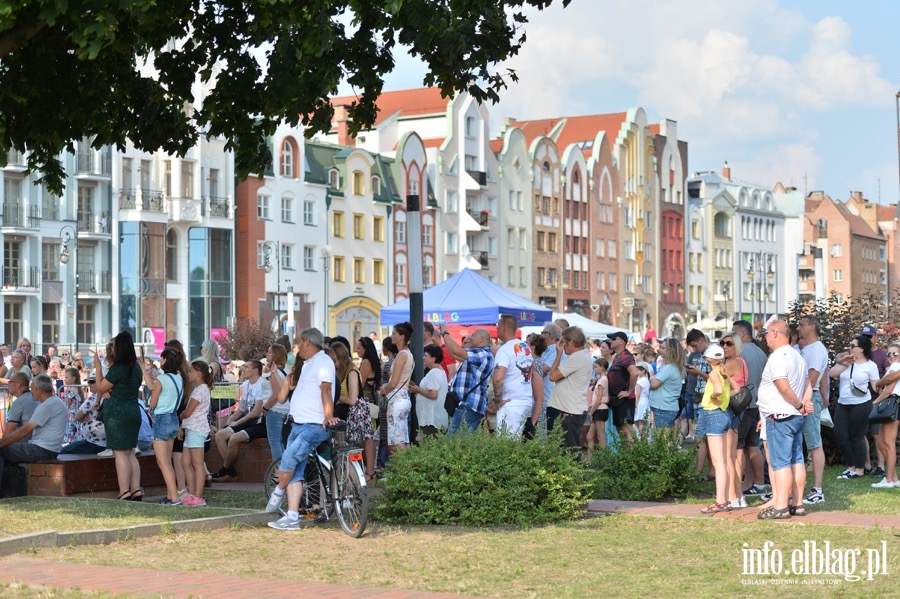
[{"x": 334, "y": 179}]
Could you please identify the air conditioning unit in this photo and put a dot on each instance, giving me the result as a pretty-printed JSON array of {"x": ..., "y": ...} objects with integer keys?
[{"x": 628, "y": 302}]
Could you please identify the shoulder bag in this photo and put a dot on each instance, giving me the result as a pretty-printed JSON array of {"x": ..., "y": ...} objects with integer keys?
[
  {"x": 452, "y": 400},
  {"x": 741, "y": 400},
  {"x": 856, "y": 390},
  {"x": 885, "y": 411}
]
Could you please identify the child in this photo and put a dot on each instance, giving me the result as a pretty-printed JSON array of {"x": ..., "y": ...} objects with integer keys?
[
  {"x": 194, "y": 430},
  {"x": 599, "y": 408},
  {"x": 642, "y": 393}
]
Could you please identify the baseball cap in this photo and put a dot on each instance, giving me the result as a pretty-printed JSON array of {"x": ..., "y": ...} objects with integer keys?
[
  {"x": 714, "y": 352},
  {"x": 618, "y": 335},
  {"x": 868, "y": 330}
]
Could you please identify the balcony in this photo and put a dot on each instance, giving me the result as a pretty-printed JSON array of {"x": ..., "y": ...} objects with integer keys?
[
  {"x": 95, "y": 281},
  {"x": 22, "y": 217},
  {"x": 15, "y": 277},
  {"x": 91, "y": 222},
  {"x": 482, "y": 258},
  {"x": 142, "y": 199},
  {"x": 186, "y": 210},
  {"x": 90, "y": 163},
  {"x": 16, "y": 158},
  {"x": 217, "y": 206},
  {"x": 479, "y": 176}
]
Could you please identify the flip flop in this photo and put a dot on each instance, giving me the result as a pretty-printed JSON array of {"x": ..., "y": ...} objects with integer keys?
[{"x": 774, "y": 514}]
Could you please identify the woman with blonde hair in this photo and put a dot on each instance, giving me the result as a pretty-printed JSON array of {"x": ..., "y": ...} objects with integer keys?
[
  {"x": 736, "y": 368},
  {"x": 665, "y": 385},
  {"x": 719, "y": 389},
  {"x": 209, "y": 353}
]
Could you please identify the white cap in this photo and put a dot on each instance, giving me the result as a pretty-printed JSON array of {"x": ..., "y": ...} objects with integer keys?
[{"x": 714, "y": 352}]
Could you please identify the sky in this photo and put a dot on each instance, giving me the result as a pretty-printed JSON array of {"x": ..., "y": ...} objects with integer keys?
[{"x": 802, "y": 92}]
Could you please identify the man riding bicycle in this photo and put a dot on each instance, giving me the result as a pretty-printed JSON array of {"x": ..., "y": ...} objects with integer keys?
[{"x": 312, "y": 405}]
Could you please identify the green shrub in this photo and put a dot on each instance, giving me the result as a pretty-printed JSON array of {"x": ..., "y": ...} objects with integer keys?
[
  {"x": 478, "y": 480},
  {"x": 644, "y": 469}
]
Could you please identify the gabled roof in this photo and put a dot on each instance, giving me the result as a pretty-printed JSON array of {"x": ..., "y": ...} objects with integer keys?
[
  {"x": 886, "y": 213},
  {"x": 574, "y": 129},
  {"x": 408, "y": 102},
  {"x": 858, "y": 225},
  {"x": 496, "y": 145}
]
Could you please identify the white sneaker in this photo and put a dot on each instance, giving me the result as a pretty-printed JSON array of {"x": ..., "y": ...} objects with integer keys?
[
  {"x": 738, "y": 503},
  {"x": 285, "y": 523},
  {"x": 884, "y": 484},
  {"x": 137, "y": 451},
  {"x": 274, "y": 503},
  {"x": 106, "y": 453}
]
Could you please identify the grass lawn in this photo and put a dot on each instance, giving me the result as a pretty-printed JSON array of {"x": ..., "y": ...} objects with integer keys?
[
  {"x": 617, "y": 556},
  {"x": 24, "y": 515},
  {"x": 853, "y": 496}
]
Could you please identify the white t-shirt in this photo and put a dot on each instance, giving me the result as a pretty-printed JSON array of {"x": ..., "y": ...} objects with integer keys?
[
  {"x": 516, "y": 356},
  {"x": 260, "y": 391},
  {"x": 816, "y": 356},
  {"x": 862, "y": 374},
  {"x": 784, "y": 363},
  {"x": 306, "y": 401},
  {"x": 431, "y": 412},
  {"x": 570, "y": 393}
]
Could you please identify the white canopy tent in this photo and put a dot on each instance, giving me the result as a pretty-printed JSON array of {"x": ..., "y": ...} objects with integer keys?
[{"x": 592, "y": 329}]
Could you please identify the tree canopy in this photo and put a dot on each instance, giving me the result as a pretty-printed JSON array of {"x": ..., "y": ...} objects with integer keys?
[{"x": 117, "y": 70}]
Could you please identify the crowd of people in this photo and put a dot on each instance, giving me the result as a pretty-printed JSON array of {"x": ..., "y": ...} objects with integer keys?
[{"x": 590, "y": 389}]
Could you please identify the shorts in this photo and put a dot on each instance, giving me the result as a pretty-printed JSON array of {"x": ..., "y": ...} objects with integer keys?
[
  {"x": 623, "y": 413},
  {"x": 165, "y": 426},
  {"x": 717, "y": 422},
  {"x": 304, "y": 438},
  {"x": 689, "y": 409},
  {"x": 193, "y": 439},
  {"x": 252, "y": 430},
  {"x": 735, "y": 420},
  {"x": 748, "y": 436},
  {"x": 664, "y": 418},
  {"x": 812, "y": 429},
  {"x": 785, "y": 441},
  {"x": 601, "y": 414}
]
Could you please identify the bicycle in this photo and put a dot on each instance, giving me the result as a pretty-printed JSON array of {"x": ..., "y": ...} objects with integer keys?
[{"x": 335, "y": 467}]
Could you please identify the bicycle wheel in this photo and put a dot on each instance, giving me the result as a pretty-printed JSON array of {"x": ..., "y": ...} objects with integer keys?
[
  {"x": 312, "y": 504},
  {"x": 271, "y": 479},
  {"x": 351, "y": 496}
]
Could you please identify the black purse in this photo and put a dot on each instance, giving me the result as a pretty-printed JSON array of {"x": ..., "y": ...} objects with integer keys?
[
  {"x": 452, "y": 400},
  {"x": 741, "y": 400},
  {"x": 885, "y": 411}
]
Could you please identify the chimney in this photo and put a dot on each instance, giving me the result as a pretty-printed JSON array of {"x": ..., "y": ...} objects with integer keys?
[
  {"x": 726, "y": 172},
  {"x": 342, "y": 121}
]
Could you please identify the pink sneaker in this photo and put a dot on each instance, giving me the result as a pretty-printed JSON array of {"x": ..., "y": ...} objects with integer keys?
[{"x": 193, "y": 501}]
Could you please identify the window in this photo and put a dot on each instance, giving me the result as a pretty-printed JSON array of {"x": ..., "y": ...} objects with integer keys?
[
  {"x": 359, "y": 270},
  {"x": 377, "y": 228},
  {"x": 167, "y": 177},
  {"x": 600, "y": 244},
  {"x": 600, "y": 280},
  {"x": 376, "y": 186},
  {"x": 309, "y": 258},
  {"x": 540, "y": 241},
  {"x": 470, "y": 126},
  {"x": 400, "y": 274},
  {"x": 523, "y": 239},
  {"x": 260, "y": 254},
  {"x": 50, "y": 206},
  {"x": 309, "y": 212},
  {"x": 612, "y": 281},
  {"x": 611, "y": 249},
  {"x": 50, "y": 323},
  {"x": 452, "y": 243},
  {"x": 413, "y": 187},
  {"x": 359, "y": 226},
  {"x": 471, "y": 162},
  {"x": 722, "y": 225},
  {"x": 551, "y": 242},
  {"x": 287, "y": 159},
  {"x": 171, "y": 255},
  {"x": 427, "y": 274},
  {"x": 510, "y": 272},
  {"x": 287, "y": 256},
  {"x": 519, "y": 205},
  {"x": 187, "y": 180},
  {"x": 492, "y": 246},
  {"x": 359, "y": 183},
  {"x": 13, "y": 322},
  {"x": 427, "y": 234},
  {"x": 629, "y": 283},
  {"x": 337, "y": 224},
  {"x": 521, "y": 276},
  {"x": 510, "y": 237},
  {"x": 334, "y": 179},
  {"x": 378, "y": 272},
  {"x": 400, "y": 232},
  {"x": 541, "y": 277},
  {"x": 452, "y": 201},
  {"x": 551, "y": 276},
  {"x": 695, "y": 229},
  {"x": 287, "y": 209},
  {"x": 339, "y": 275},
  {"x": 512, "y": 200},
  {"x": 838, "y": 275},
  {"x": 50, "y": 262},
  {"x": 262, "y": 207}
]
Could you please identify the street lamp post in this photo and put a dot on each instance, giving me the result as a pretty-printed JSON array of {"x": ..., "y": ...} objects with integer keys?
[
  {"x": 267, "y": 265},
  {"x": 326, "y": 262},
  {"x": 67, "y": 234}
]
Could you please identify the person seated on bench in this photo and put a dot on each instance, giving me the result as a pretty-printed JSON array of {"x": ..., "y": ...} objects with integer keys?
[
  {"x": 46, "y": 427},
  {"x": 246, "y": 424},
  {"x": 92, "y": 431},
  {"x": 23, "y": 407}
]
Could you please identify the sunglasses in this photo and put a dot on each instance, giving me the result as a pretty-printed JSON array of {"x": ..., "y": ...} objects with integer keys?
[
  {"x": 893, "y": 355},
  {"x": 854, "y": 345},
  {"x": 728, "y": 343}
]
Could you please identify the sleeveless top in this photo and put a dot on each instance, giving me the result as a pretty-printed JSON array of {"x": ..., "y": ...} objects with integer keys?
[
  {"x": 707, "y": 403},
  {"x": 407, "y": 369}
]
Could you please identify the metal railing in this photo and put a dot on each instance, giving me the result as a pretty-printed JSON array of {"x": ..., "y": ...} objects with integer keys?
[
  {"x": 94, "y": 281},
  {"x": 218, "y": 206},
  {"x": 93, "y": 164},
  {"x": 17, "y": 277},
  {"x": 150, "y": 200},
  {"x": 27, "y": 217}
]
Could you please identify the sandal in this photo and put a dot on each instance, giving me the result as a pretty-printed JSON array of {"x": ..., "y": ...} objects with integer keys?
[
  {"x": 774, "y": 514},
  {"x": 126, "y": 496},
  {"x": 797, "y": 510},
  {"x": 371, "y": 478},
  {"x": 137, "y": 495},
  {"x": 715, "y": 508}
]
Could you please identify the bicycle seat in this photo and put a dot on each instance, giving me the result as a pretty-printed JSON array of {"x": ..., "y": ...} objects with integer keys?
[{"x": 340, "y": 427}]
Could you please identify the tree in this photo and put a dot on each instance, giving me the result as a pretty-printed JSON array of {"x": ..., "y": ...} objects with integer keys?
[
  {"x": 109, "y": 70},
  {"x": 246, "y": 339}
]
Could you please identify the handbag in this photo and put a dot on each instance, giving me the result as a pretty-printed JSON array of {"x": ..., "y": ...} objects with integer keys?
[
  {"x": 856, "y": 390},
  {"x": 885, "y": 410},
  {"x": 741, "y": 400}
]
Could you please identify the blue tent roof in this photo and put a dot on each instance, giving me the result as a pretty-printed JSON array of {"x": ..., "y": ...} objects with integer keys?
[{"x": 467, "y": 298}]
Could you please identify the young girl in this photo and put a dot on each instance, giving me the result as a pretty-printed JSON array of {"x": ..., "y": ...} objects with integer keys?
[
  {"x": 73, "y": 397},
  {"x": 719, "y": 389},
  {"x": 642, "y": 393},
  {"x": 599, "y": 409},
  {"x": 194, "y": 430}
]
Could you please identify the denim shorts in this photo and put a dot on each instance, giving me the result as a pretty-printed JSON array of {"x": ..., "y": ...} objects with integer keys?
[
  {"x": 735, "y": 420},
  {"x": 193, "y": 439},
  {"x": 304, "y": 438},
  {"x": 717, "y": 422},
  {"x": 812, "y": 430},
  {"x": 785, "y": 441},
  {"x": 664, "y": 418},
  {"x": 165, "y": 426}
]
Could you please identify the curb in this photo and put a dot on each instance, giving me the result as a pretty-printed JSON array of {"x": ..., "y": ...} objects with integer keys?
[{"x": 107, "y": 536}]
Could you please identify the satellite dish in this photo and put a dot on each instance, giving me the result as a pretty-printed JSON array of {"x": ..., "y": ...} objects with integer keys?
[{"x": 595, "y": 307}]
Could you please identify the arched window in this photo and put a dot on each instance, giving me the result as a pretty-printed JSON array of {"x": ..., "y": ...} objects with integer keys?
[
  {"x": 287, "y": 159},
  {"x": 334, "y": 179},
  {"x": 376, "y": 185}
]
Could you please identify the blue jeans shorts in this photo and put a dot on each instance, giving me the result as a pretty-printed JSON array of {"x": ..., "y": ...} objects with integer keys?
[
  {"x": 664, "y": 418},
  {"x": 717, "y": 422},
  {"x": 304, "y": 438},
  {"x": 785, "y": 441},
  {"x": 165, "y": 426},
  {"x": 193, "y": 439},
  {"x": 812, "y": 430},
  {"x": 735, "y": 420}
]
